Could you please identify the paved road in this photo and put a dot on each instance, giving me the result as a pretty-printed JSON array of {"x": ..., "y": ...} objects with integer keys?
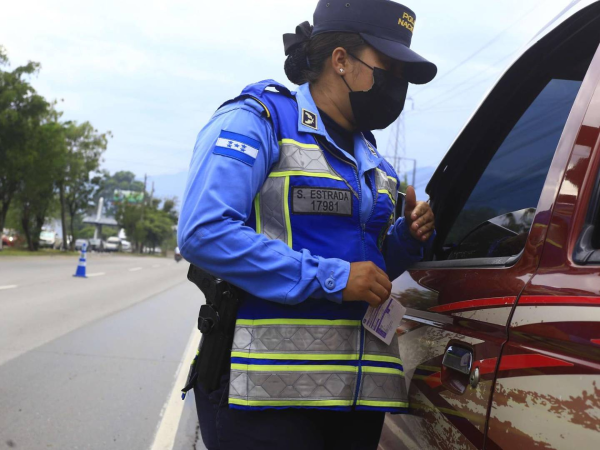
[{"x": 91, "y": 363}]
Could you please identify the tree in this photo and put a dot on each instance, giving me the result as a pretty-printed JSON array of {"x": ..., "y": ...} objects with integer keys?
[
  {"x": 84, "y": 150},
  {"x": 158, "y": 226},
  {"x": 108, "y": 184},
  {"x": 21, "y": 113},
  {"x": 403, "y": 185},
  {"x": 169, "y": 206},
  {"x": 36, "y": 190},
  {"x": 147, "y": 226},
  {"x": 129, "y": 217}
]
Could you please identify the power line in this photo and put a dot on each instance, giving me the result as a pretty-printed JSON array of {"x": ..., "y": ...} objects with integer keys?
[
  {"x": 437, "y": 101},
  {"x": 477, "y": 52},
  {"x": 445, "y": 98},
  {"x": 145, "y": 163}
]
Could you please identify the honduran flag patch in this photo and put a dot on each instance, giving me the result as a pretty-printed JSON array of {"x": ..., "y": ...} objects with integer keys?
[{"x": 237, "y": 146}]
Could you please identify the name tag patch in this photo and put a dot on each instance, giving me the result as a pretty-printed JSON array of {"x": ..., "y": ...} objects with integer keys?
[{"x": 310, "y": 200}]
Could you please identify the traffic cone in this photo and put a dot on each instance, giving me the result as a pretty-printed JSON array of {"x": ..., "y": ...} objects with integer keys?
[{"x": 82, "y": 263}]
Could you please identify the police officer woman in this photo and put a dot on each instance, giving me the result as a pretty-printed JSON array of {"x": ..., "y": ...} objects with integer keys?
[{"x": 289, "y": 200}]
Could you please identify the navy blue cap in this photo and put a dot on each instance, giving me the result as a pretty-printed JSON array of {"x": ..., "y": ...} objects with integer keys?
[{"x": 385, "y": 25}]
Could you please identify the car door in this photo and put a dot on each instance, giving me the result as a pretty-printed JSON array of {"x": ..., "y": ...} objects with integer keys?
[
  {"x": 490, "y": 196},
  {"x": 547, "y": 392}
]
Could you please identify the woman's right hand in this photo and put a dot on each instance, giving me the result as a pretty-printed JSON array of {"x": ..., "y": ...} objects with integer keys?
[{"x": 368, "y": 283}]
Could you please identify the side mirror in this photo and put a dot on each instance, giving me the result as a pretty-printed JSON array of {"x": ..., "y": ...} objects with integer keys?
[{"x": 400, "y": 205}]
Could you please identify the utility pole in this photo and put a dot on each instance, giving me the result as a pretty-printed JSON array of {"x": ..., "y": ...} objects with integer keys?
[
  {"x": 152, "y": 193},
  {"x": 141, "y": 245},
  {"x": 414, "y": 171},
  {"x": 144, "y": 195},
  {"x": 397, "y": 141}
]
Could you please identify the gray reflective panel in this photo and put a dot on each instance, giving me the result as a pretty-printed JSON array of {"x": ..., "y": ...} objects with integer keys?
[
  {"x": 299, "y": 339},
  {"x": 374, "y": 346},
  {"x": 382, "y": 181},
  {"x": 272, "y": 216},
  {"x": 382, "y": 387},
  {"x": 238, "y": 384},
  {"x": 326, "y": 385},
  {"x": 294, "y": 157}
]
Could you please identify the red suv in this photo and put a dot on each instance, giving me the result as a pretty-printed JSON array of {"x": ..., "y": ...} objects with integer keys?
[{"x": 501, "y": 340}]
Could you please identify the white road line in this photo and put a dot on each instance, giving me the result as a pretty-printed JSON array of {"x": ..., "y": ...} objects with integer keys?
[
  {"x": 164, "y": 439},
  {"x": 11, "y": 286},
  {"x": 99, "y": 274},
  {"x": 135, "y": 269}
]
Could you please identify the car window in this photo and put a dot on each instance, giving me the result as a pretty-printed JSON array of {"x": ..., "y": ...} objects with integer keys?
[{"x": 498, "y": 214}]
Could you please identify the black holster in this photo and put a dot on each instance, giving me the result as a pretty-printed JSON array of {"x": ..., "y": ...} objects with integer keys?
[{"x": 216, "y": 322}]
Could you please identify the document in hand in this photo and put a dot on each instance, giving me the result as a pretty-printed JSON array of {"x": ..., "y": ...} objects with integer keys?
[{"x": 385, "y": 319}]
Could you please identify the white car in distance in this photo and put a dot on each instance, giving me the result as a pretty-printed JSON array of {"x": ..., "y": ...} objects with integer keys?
[
  {"x": 126, "y": 246},
  {"x": 112, "y": 244}
]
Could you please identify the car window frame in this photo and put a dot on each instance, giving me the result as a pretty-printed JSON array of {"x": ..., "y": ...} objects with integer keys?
[
  {"x": 535, "y": 68},
  {"x": 585, "y": 253},
  {"x": 507, "y": 261}
]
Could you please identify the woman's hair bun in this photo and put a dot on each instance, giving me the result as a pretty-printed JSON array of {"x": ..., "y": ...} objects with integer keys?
[{"x": 296, "y": 64}]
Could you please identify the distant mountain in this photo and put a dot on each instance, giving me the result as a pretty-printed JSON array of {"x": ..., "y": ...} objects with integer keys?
[{"x": 174, "y": 185}]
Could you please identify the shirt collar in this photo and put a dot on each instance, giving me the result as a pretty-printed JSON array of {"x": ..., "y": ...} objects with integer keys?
[{"x": 309, "y": 121}]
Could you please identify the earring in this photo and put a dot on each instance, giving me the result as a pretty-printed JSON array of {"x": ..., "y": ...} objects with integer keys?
[{"x": 341, "y": 70}]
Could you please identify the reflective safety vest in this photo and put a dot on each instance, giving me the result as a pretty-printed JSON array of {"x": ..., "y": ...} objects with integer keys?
[{"x": 315, "y": 354}]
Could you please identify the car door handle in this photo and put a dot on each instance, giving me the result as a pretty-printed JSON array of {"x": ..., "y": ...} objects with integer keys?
[
  {"x": 456, "y": 369},
  {"x": 459, "y": 359}
]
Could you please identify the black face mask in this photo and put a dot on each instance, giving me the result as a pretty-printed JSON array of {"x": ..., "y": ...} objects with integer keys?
[{"x": 380, "y": 106}]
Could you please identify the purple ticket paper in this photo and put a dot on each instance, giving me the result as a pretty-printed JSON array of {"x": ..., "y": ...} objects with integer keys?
[{"x": 385, "y": 319}]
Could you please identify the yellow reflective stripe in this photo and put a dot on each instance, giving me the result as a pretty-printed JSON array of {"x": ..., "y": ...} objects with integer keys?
[
  {"x": 301, "y": 173},
  {"x": 420, "y": 377},
  {"x": 298, "y": 368},
  {"x": 382, "y": 404},
  {"x": 391, "y": 359},
  {"x": 194, "y": 360},
  {"x": 263, "y": 105},
  {"x": 308, "y": 322},
  {"x": 389, "y": 370},
  {"x": 286, "y": 210},
  {"x": 299, "y": 144},
  {"x": 385, "y": 191},
  {"x": 257, "y": 212},
  {"x": 239, "y": 401},
  {"x": 298, "y": 356}
]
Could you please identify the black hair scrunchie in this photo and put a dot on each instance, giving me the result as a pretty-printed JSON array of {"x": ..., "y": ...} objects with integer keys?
[
  {"x": 294, "y": 45},
  {"x": 291, "y": 41}
]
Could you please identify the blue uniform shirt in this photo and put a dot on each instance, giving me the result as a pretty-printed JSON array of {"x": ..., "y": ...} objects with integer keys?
[{"x": 212, "y": 233}]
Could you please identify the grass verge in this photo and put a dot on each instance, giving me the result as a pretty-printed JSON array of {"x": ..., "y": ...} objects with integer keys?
[{"x": 9, "y": 251}]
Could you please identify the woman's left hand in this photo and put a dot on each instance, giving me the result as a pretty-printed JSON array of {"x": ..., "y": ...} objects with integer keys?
[{"x": 419, "y": 216}]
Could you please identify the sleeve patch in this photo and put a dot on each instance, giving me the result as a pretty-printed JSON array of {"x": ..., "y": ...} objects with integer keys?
[{"x": 237, "y": 146}]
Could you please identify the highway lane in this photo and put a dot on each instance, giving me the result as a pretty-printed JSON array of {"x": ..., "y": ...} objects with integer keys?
[{"x": 91, "y": 363}]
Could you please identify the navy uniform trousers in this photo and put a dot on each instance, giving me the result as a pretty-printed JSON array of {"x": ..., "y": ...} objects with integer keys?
[{"x": 223, "y": 428}]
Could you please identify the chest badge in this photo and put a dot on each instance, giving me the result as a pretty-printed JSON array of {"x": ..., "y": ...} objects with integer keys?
[{"x": 309, "y": 119}]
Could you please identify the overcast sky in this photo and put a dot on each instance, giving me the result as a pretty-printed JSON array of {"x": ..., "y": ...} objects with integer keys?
[{"x": 153, "y": 72}]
